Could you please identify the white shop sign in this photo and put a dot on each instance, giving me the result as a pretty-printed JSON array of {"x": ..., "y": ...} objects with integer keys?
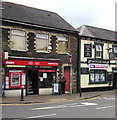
[
  {"x": 99, "y": 66},
  {"x": 56, "y": 88}
]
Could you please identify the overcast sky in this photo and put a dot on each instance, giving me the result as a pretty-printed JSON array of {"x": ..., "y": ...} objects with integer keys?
[{"x": 98, "y": 13}]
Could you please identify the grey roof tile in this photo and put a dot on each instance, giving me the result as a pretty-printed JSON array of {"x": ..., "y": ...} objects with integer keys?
[
  {"x": 95, "y": 32},
  {"x": 21, "y": 13}
]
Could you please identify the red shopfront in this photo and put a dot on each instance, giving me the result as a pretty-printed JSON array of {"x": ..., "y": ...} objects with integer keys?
[{"x": 33, "y": 75}]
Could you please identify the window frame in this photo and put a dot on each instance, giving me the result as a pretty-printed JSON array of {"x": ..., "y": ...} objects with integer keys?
[
  {"x": 42, "y": 38},
  {"x": 19, "y": 79},
  {"x": 101, "y": 51},
  {"x": 62, "y": 39},
  {"x": 14, "y": 34},
  {"x": 99, "y": 72}
]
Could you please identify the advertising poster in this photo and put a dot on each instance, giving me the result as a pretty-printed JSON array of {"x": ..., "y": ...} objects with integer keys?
[{"x": 56, "y": 88}]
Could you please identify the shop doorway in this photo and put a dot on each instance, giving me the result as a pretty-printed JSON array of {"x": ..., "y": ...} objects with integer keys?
[
  {"x": 32, "y": 82},
  {"x": 115, "y": 80},
  {"x": 67, "y": 78}
]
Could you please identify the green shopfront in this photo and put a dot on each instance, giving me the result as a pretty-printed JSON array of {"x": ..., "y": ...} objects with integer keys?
[{"x": 114, "y": 71}]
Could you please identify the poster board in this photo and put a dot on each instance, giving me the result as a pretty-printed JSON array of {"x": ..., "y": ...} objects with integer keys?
[{"x": 56, "y": 88}]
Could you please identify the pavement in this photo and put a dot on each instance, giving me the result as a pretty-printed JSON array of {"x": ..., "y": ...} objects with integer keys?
[{"x": 55, "y": 98}]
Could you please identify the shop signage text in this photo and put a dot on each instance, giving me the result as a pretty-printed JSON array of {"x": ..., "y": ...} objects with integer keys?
[
  {"x": 87, "y": 50},
  {"x": 99, "y": 66},
  {"x": 84, "y": 70},
  {"x": 98, "y": 61}
]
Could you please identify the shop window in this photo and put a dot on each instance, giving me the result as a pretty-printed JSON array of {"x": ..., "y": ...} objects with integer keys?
[
  {"x": 46, "y": 79},
  {"x": 98, "y": 76},
  {"x": 98, "y": 51},
  {"x": 42, "y": 42},
  {"x": 115, "y": 52},
  {"x": 17, "y": 78},
  {"x": 62, "y": 45},
  {"x": 18, "y": 40}
]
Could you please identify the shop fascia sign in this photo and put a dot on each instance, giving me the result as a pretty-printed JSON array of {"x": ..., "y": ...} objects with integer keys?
[
  {"x": 98, "y": 61},
  {"x": 31, "y": 63},
  {"x": 99, "y": 66}
]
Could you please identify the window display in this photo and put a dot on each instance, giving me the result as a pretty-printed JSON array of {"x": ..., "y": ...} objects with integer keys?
[
  {"x": 98, "y": 76},
  {"x": 15, "y": 77},
  {"x": 46, "y": 79}
]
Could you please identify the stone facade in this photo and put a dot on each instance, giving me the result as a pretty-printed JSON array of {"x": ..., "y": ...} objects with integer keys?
[{"x": 67, "y": 59}]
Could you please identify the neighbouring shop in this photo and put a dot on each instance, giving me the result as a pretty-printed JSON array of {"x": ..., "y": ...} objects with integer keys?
[
  {"x": 36, "y": 77},
  {"x": 115, "y": 78},
  {"x": 98, "y": 71}
]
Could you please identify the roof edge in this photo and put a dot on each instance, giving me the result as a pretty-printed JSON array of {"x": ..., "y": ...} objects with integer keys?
[
  {"x": 98, "y": 38},
  {"x": 39, "y": 26}
]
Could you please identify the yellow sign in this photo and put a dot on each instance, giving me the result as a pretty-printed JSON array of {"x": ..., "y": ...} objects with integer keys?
[{"x": 15, "y": 66}]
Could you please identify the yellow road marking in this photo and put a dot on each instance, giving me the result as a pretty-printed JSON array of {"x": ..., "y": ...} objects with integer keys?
[
  {"x": 33, "y": 103},
  {"x": 53, "y": 101},
  {"x": 60, "y": 99},
  {"x": 91, "y": 98}
]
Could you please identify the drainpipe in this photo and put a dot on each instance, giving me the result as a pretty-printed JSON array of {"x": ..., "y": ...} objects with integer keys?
[{"x": 78, "y": 83}]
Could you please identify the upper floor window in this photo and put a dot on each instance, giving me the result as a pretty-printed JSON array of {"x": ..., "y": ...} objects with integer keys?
[
  {"x": 98, "y": 51},
  {"x": 62, "y": 45},
  {"x": 42, "y": 42},
  {"x": 115, "y": 52},
  {"x": 18, "y": 40}
]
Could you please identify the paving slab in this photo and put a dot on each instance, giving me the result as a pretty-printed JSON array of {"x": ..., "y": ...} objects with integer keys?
[{"x": 51, "y": 98}]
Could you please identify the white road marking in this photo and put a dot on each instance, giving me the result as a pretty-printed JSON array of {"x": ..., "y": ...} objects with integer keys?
[
  {"x": 86, "y": 103},
  {"x": 105, "y": 107},
  {"x": 67, "y": 105},
  {"x": 41, "y": 116},
  {"x": 51, "y": 107},
  {"x": 106, "y": 98}
]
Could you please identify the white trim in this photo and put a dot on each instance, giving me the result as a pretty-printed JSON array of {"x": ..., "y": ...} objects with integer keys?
[
  {"x": 42, "y": 36},
  {"x": 18, "y": 32},
  {"x": 39, "y": 51},
  {"x": 62, "y": 39}
]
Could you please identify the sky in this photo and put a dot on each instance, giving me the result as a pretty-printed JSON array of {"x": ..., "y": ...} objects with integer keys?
[{"x": 97, "y": 13}]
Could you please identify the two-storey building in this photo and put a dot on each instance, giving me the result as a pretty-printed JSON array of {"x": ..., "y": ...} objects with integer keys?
[
  {"x": 39, "y": 47},
  {"x": 98, "y": 58}
]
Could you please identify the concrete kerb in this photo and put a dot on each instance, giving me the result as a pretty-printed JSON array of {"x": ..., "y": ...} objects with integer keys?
[
  {"x": 34, "y": 102},
  {"x": 89, "y": 97},
  {"x": 45, "y": 99}
]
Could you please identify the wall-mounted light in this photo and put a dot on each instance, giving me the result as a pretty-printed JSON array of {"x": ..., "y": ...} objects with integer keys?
[{"x": 49, "y": 47}]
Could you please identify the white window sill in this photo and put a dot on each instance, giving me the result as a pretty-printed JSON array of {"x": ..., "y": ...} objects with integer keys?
[
  {"x": 63, "y": 53},
  {"x": 42, "y": 52},
  {"x": 19, "y": 50}
]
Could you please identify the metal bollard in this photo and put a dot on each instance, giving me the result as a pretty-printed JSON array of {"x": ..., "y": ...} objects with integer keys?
[{"x": 22, "y": 92}]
